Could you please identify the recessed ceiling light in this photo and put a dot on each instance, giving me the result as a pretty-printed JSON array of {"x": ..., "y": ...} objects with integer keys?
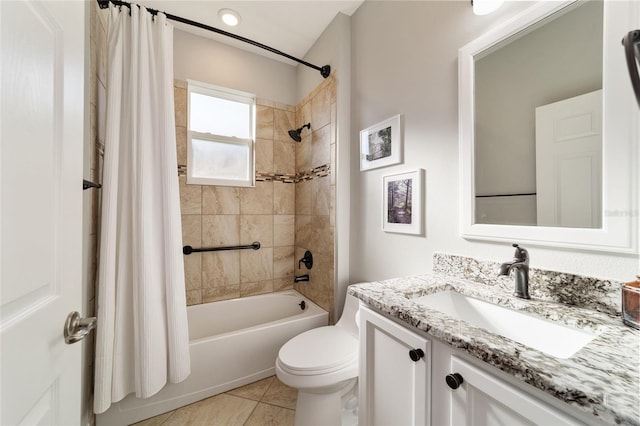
[{"x": 229, "y": 17}]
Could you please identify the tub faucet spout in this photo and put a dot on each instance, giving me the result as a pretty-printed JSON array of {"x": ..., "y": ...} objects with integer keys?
[
  {"x": 299, "y": 278},
  {"x": 520, "y": 264}
]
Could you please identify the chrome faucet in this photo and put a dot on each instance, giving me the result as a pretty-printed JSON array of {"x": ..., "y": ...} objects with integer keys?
[
  {"x": 520, "y": 263},
  {"x": 299, "y": 278}
]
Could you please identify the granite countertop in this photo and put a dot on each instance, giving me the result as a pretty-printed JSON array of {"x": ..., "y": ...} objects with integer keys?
[{"x": 601, "y": 379}]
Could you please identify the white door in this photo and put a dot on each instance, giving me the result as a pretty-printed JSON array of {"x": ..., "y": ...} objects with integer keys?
[
  {"x": 41, "y": 122},
  {"x": 569, "y": 162},
  {"x": 394, "y": 377},
  {"x": 483, "y": 399}
]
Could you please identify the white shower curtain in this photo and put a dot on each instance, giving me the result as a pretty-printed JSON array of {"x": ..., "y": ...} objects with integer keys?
[{"x": 142, "y": 338}]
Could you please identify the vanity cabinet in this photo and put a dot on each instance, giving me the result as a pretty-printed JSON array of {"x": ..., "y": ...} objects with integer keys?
[
  {"x": 395, "y": 367},
  {"x": 484, "y": 399},
  {"x": 396, "y": 390}
]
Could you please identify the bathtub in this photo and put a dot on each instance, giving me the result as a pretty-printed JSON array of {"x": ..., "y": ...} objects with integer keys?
[{"x": 232, "y": 343}]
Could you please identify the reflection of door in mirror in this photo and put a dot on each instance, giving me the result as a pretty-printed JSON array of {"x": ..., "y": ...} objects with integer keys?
[
  {"x": 557, "y": 59},
  {"x": 569, "y": 162}
]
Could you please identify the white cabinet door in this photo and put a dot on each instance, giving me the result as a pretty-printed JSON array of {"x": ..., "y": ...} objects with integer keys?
[
  {"x": 394, "y": 389},
  {"x": 484, "y": 399},
  {"x": 42, "y": 128}
]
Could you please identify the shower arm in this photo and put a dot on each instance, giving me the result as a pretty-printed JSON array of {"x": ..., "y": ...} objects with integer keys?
[{"x": 325, "y": 70}]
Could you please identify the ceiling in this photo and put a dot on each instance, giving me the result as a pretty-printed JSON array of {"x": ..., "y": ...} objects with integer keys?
[{"x": 291, "y": 26}]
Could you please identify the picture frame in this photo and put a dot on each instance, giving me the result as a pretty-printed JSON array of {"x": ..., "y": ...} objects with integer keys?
[
  {"x": 381, "y": 144},
  {"x": 402, "y": 202}
]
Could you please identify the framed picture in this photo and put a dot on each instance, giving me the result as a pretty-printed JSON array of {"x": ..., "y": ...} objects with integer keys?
[
  {"x": 402, "y": 202},
  {"x": 381, "y": 144}
]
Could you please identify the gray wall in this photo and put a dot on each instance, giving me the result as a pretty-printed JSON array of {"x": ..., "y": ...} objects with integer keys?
[
  {"x": 404, "y": 60},
  {"x": 206, "y": 60}
]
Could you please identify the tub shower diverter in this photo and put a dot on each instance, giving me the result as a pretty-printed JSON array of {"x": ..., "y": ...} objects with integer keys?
[{"x": 553, "y": 339}]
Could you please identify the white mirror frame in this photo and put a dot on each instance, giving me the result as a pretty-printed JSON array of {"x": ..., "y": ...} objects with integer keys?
[{"x": 621, "y": 136}]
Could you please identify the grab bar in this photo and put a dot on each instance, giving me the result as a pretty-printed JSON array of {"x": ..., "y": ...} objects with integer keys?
[
  {"x": 524, "y": 194},
  {"x": 188, "y": 249}
]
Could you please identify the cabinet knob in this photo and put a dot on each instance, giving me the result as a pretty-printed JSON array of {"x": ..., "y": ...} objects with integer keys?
[
  {"x": 454, "y": 380},
  {"x": 416, "y": 354}
]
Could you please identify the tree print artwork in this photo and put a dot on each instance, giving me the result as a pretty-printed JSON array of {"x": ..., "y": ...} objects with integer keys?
[
  {"x": 399, "y": 201},
  {"x": 379, "y": 144}
]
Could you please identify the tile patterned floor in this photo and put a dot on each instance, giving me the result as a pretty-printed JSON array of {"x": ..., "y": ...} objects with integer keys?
[{"x": 267, "y": 402}]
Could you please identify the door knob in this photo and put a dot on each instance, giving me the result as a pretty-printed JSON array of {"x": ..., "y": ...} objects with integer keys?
[
  {"x": 416, "y": 354},
  {"x": 77, "y": 328},
  {"x": 454, "y": 380}
]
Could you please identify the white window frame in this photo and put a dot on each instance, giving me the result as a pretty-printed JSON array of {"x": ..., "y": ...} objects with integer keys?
[{"x": 232, "y": 95}]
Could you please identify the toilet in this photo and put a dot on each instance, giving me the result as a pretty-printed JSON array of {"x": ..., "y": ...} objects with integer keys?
[{"x": 323, "y": 365}]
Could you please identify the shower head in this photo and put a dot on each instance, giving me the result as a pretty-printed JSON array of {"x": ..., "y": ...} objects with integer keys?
[{"x": 295, "y": 134}]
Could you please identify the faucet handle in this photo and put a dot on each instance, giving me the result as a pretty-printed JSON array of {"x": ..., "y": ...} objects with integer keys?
[
  {"x": 521, "y": 254},
  {"x": 307, "y": 260}
]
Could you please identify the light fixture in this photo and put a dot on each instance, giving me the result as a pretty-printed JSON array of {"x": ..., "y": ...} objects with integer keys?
[
  {"x": 484, "y": 7},
  {"x": 229, "y": 17}
]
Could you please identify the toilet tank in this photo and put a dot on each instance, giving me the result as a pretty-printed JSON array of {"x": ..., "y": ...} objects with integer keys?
[{"x": 348, "y": 320}]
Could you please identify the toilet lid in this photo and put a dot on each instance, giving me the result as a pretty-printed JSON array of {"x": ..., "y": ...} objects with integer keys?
[{"x": 321, "y": 350}]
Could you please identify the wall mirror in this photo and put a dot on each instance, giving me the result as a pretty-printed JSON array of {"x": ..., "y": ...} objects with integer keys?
[{"x": 549, "y": 129}]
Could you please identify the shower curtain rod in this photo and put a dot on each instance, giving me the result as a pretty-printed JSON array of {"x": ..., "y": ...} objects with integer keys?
[{"x": 324, "y": 70}]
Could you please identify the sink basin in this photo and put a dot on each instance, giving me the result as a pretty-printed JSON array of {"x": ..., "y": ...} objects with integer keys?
[{"x": 554, "y": 339}]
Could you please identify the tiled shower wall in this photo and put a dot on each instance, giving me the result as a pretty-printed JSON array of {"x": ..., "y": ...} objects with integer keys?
[
  {"x": 287, "y": 218},
  {"x": 220, "y": 215},
  {"x": 315, "y": 193}
]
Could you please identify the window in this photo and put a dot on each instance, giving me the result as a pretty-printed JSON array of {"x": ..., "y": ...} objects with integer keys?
[{"x": 221, "y": 129}]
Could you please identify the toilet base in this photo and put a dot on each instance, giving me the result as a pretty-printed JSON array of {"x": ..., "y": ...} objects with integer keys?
[{"x": 328, "y": 409}]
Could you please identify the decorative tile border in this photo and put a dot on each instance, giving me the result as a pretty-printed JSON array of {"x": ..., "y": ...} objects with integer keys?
[
  {"x": 275, "y": 177},
  {"x": 316, "y": 172}
]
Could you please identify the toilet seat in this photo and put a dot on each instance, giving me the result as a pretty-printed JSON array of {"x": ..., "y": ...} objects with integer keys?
[{"x": 322, "y": 350}]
